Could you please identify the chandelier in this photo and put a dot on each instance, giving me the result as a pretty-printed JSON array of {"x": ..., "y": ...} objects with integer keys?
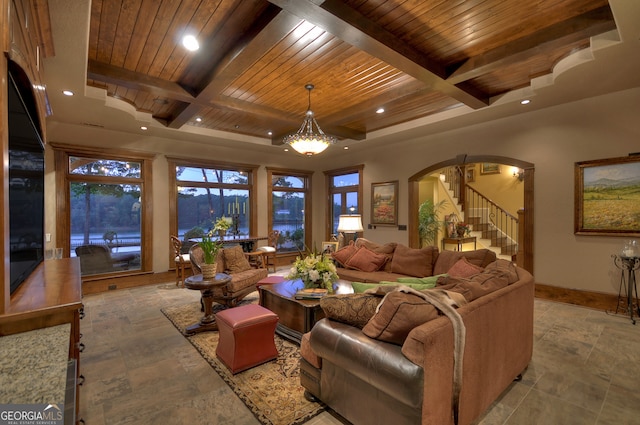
[{"x": 305, "y": 140}]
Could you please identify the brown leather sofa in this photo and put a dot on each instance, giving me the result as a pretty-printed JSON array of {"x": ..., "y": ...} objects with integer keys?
[{"x": 371, "y": 381}]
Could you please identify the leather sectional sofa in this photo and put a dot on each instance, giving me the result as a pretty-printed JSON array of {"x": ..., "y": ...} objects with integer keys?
[{"x": 398, "y": 364}]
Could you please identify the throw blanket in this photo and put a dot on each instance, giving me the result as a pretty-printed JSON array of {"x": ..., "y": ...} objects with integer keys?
[{"x": 447, "y": 302}]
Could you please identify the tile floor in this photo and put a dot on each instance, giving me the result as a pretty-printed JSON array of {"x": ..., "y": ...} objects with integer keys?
[{"x": 140, "y": 369}]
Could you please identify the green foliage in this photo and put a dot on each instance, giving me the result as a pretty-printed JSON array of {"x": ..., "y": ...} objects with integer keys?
[
  {"x": 210, "y": 248},
  {"x": 194, "y": 233},
  {"x": 428, "y": 222}
]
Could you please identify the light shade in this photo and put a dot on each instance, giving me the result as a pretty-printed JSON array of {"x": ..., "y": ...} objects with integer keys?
[
  {"x": 307, "y": 141},
  {"x": 350, "y": 223}
]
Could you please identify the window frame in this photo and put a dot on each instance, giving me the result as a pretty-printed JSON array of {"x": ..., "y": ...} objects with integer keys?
[
  {"x": 173, "y": 184},
  {"x": 64, "y": 178},
  {"x": 331, "y": 190}
]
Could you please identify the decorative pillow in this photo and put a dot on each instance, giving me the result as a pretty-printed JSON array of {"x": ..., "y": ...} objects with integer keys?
[
  {"x": 234, "y": 260},
  {"x": 343, "y": 254},
  {"x": 446, "y": 259},
  {"x": 463, "y": 268},
  {"x": 414, "y": 262},
  {"x": 506, "y": 267},
  {"x": 386, "y": 249},
  {"x": 397, "y": 316},
  {"x": 352, "y": 309},
  {"x": 366, "y": 260}
]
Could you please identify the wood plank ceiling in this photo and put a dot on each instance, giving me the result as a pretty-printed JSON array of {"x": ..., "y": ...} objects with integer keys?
[{"x": 414, "y": 58}]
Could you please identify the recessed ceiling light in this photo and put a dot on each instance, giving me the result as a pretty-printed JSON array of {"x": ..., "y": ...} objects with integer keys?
[
  {"x": 270, "y": 133},
  {"x": 67, "y": 92},
  {"x": 379, "y": 110},
  {"x": 144, "y": 127},
  {"x": 286, "y": 149},
  {"x": 525, "y": 102},
  {"x": 198, "y": 119},
  {"x": 346, "y": 148},
  {"x": 190, "y": 43}
]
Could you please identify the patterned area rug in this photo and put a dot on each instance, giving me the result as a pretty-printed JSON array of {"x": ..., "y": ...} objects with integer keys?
[{"x": 272, "y": 391}]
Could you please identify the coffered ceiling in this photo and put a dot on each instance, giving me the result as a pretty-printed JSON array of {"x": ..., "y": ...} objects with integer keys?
[{"x": 415, "y": 59}]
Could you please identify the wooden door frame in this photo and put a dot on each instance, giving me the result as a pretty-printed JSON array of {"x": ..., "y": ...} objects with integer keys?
[{"x": 461, "y": 160}]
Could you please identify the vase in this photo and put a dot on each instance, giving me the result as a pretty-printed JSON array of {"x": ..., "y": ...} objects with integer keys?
[
  {"x": 208, "y": 271},
  {"x": 461, "y": 232},
  {"x": 222, "y": 233}
]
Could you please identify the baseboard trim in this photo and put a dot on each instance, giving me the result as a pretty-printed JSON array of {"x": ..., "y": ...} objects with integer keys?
[
  {"x": 96, "y": 285},
  {"x": 595, "y": 300}
]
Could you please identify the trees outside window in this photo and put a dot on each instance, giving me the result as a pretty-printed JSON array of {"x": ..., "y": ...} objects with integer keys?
[
  {"x": 203, "y": 192},
  {"x": 101, "y": 213},
  {"x": 289, "y": 208}
]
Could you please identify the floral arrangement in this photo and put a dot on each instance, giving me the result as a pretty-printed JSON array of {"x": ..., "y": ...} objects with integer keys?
[
  {"x": 463, "y": 228},
  {"x": 315, "y": 271},
  {"x": 222, "y": 223}
]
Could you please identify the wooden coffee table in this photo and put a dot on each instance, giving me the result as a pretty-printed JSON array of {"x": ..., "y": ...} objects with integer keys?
[{"x": 296, "y": 317}]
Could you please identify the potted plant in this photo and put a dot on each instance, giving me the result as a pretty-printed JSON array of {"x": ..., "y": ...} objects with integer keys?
[
  {"x": 221, "y": 225},
  {"x": 428, "y": 223},
  {"x": 210, "y": 248}
]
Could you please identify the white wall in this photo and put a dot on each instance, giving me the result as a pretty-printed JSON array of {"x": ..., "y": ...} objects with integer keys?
[{"x": 552, "y": 139}]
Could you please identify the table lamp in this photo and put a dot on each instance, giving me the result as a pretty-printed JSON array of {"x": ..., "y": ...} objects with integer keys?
[{"x": 350, "y": 223}]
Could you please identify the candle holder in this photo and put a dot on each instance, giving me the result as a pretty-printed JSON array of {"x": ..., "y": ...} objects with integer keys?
[{"x": 235, "y": 221}]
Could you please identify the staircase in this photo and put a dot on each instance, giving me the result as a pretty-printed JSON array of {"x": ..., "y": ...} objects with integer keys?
[{"x": 493, "y": 227}]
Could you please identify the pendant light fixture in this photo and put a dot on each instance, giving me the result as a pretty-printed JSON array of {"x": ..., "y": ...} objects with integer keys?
[{"x": 307, "y": 141}]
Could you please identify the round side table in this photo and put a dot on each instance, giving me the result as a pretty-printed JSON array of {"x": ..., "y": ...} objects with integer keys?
[{"x": 206, "y": 287}]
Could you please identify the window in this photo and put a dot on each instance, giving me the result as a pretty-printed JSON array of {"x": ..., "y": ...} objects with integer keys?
[
  {"x": 104, "y": 203},
  {"x": 344, "y": 187},
  {"x": 290, "y": 208},
  {"x": 203, "y": 192}
]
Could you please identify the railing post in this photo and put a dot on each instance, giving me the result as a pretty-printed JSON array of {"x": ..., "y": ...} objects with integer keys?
[{"x": 521, "y": 245}]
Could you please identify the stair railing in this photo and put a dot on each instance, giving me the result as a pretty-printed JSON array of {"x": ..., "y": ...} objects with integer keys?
[{"x": 502, "y": 226}]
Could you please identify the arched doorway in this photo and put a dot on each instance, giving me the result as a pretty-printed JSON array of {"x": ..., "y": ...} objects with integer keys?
[{"x": 462, "y": 161}]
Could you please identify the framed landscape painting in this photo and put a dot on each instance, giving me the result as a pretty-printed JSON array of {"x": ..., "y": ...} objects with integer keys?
[
  {"x": 384, "y": 203},
  {"x": 489, "y": 168},
  {"x": 607, "y": 196}
]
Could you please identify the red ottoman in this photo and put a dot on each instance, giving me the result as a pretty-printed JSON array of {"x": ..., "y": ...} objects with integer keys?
[{"x": 246, "y": 336}]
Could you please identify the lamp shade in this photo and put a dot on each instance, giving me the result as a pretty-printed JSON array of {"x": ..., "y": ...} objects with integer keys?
[{"x": 350, "y": 223}]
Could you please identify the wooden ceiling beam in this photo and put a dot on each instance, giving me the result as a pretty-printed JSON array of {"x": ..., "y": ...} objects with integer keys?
[
  {"x": 353, "y": 28},
  {"x": 135, "y": 80},
  {"x": 581, "y": 27}
]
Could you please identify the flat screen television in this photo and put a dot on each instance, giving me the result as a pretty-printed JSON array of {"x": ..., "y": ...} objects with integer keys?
[{"x": 26, "y": 184}]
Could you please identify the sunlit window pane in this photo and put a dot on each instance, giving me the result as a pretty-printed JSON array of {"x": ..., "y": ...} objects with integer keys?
[
  {"x": 103, "y": 167},
  {"x": 211, "y": 175},
  {"x": 343, "y": 180},
  {"x": 105, "y": 226},
  {"x": 288, "y": 181},
  {"x": 288, "y": 218}
]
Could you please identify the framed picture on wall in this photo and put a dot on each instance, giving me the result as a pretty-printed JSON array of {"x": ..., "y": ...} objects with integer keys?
[
  {"x": 607, "y": 196},
  {"x": 470, "y": 174},
  {"x": 489, "y": 168},
  {"x": 384, "y": 203}
]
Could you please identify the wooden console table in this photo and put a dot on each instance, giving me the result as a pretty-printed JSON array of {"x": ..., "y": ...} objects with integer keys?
[
  {"x": 459, "y": 242},
  {"x": 50, "y": 296}
]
